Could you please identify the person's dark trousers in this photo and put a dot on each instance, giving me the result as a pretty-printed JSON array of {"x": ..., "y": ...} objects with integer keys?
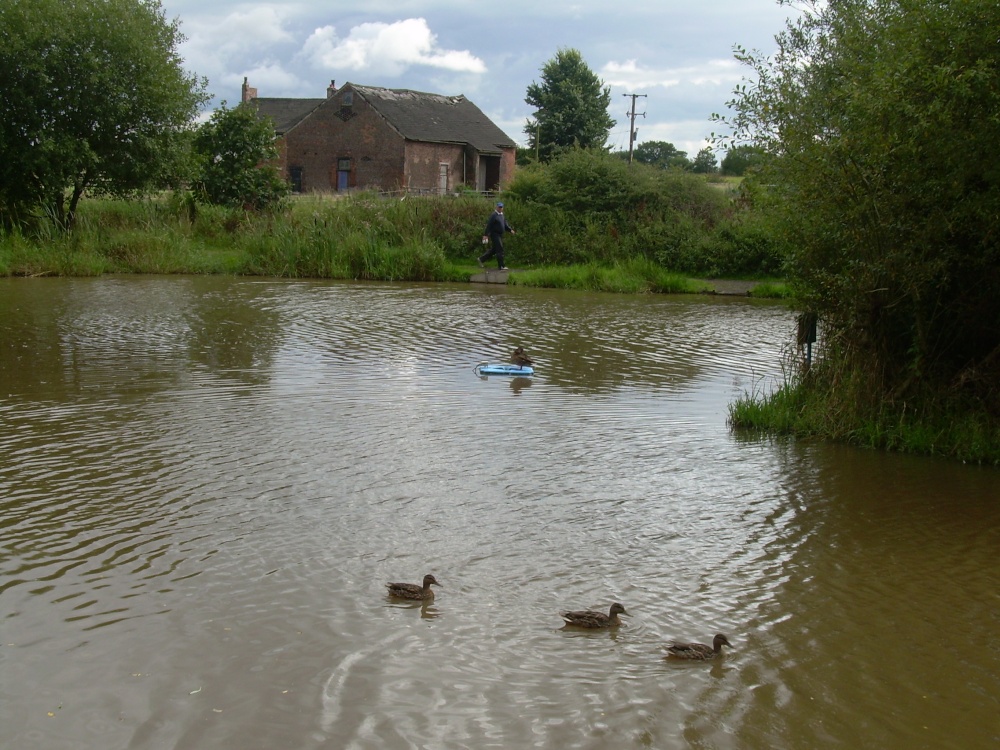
[{"x": 496, "y": 249}]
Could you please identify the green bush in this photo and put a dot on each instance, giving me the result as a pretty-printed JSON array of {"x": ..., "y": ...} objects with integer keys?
[
  {"x": 740, "y": 249},
  {"x": 593, "y": 207}
]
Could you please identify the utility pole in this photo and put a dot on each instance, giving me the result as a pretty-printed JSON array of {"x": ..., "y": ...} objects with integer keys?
[{"x": 631, "y": 130}]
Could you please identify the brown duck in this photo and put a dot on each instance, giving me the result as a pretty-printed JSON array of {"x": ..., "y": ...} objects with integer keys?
[
  {"x": 591, "y": 619},
  {"x": 698, "y": 651},
  {"x": 519, "y": 358},
  {"x": 413, "y": 590}
]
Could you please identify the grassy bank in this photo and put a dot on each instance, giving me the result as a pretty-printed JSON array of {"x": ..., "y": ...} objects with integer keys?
[
  {"x": 818, "y": 406},
  {"x": 628, "y": 277},
  {"x": 367, "y": 237}
]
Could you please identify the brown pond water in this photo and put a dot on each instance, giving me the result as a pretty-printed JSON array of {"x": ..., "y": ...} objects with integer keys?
[{"x": 206, "y": 482}]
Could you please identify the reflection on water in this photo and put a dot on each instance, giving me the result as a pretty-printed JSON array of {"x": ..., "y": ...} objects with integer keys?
[{"x": 206, "y": 483}]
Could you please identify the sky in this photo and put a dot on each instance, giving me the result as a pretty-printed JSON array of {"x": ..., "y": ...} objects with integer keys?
[{"x": 678, "y": 54}]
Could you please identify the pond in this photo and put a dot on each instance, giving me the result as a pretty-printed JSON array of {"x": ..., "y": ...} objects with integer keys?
[{"x": 205, "y": 484}]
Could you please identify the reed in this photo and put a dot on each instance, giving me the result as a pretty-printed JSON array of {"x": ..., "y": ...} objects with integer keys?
[
  {"x": 123, "y": 237},
  {"x": 22, "y": 257},
  {"x": 778, "y": 411},
  {"x": 320, "y": 248}
]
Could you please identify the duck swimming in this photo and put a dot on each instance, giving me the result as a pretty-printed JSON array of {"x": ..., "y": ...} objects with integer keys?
[
  {"x": 413, "y": 590},
  {"x": 698, "y": 651},
  {"x": 591, "y": 619}
]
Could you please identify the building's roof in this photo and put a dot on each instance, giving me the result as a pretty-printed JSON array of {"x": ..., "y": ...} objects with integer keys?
[
  {"x": 417, "y": 116},
  {"x": 286, "y": 113},
  {"x": 435, "y": 118}
]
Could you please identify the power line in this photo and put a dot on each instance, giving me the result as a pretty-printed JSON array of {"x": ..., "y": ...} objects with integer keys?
[{"x": 632, "y": 131}]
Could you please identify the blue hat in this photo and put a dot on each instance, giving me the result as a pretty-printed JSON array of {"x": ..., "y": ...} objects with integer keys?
[{"x": 499, "y": 205}]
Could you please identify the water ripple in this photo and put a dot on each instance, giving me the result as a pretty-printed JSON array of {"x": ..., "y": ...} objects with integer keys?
[{"x": 208, "y": 482}]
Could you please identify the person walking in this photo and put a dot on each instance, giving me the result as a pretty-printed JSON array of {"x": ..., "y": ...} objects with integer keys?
[{"x": 496, "y": 225}]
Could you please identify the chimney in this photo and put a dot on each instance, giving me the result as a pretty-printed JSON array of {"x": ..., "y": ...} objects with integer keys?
[
  {"x": 248, "y": 92},
  {"x": 331, "y": 89}
]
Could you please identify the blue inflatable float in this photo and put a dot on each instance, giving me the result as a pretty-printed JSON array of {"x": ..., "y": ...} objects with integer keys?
[{"x": 486, "y": 368}]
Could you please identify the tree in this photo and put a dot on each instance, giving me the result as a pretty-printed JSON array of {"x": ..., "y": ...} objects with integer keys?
[
  {"x": 705, "y": 162},
  {"x": 739, "y": 159},
  {"x": 524, "y": 156},
  {"x": 880, "y": 121},
  {"x": 661, "y": 154},
  {"x": 92, "y": 98},
  {"x": 235, "y": 149},
  {"x": 571, "y": 107}
]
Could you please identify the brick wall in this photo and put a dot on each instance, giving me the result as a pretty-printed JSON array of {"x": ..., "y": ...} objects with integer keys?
[
  {"x": 378, "y": 157},
  {"x": 423, "y": 165},
  {"x": 507, "y": 166},
  {"x": 333, "y": 132}
]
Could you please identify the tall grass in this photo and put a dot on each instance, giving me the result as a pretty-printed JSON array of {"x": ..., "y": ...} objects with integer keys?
[
  {"x": 357, "y": 255},
  {"x": 123, "y": 237},
  {"x": 846, "y": 409},
  {"x": 329, "y": 241}
]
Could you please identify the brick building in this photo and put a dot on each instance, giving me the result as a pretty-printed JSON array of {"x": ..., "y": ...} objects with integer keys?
[{"x": 386, "y": 139}]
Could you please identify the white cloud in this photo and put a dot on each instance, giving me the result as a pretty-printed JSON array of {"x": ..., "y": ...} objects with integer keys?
[
  {"x": 388, "y": 49},
  {"x": 256, "y": 27},
  {"x": 711, "y": 73},
  {"x": 236, "y": 33},
  {"x": 268, "y": 77},
  {"x": 227, "y": 47}
]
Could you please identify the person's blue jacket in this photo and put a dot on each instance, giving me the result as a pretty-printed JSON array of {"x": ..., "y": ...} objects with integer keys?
[{"x": 497, "y": 224}]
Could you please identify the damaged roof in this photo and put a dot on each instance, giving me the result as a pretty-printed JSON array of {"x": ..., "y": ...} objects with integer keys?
[
  {"x": 435, "y": 118},
  {"x": 417, "y": 116}
]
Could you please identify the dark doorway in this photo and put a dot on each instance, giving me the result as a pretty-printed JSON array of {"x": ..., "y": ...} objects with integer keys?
[{"x": 295, "y": 177}]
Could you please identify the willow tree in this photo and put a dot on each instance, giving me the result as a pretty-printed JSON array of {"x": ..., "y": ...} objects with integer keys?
[
  {"x": 93, "y": 98},
  {"x": 882, "y": 122},
  {"x": 571, "y": 107}
]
